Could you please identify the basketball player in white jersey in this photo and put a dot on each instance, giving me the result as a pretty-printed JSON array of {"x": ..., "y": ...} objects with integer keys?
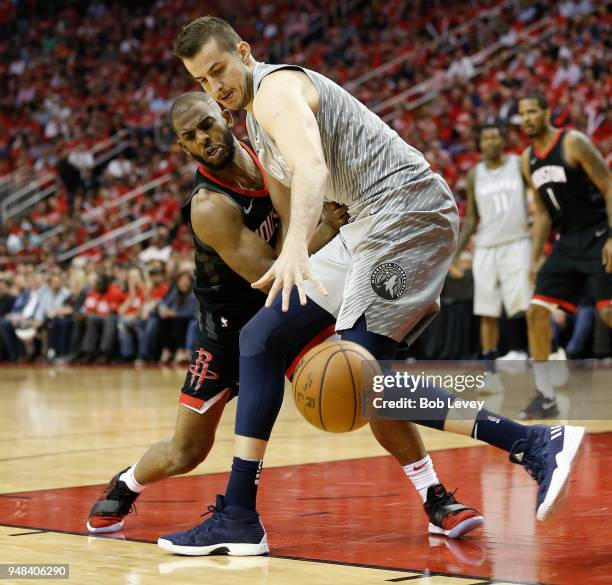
[
  {"x": 384, "y": 271},
  {"x": 496, "y": 202}
]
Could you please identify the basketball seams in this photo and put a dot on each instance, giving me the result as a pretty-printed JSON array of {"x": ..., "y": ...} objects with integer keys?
[
  {"x": 330, "y": 374},
  {"x": 350, "y": 369},
  {"x": 301, "y": 367},
  {"x": 335, "y": 351}
]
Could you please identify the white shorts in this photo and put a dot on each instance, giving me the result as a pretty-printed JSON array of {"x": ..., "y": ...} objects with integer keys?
[
  {"x": 390, "y": 263},
  {"x": 501, "y": 275}
]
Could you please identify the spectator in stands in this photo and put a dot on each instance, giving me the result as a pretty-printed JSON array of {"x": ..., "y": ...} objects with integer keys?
[
  {"x": 159, "y": 247},
  {"x": 7, "y": 300},
  {"x": 25, "y": 327},
  {"x": 50, "y": 304},
  {"x": 129, "y": 313},
  {"x": 148, "y": 325},
  {"x": 176, "y": 311},
  {"x": 69, "y": 175},
  {"x": 100, "y": 307},
  {"x": 74, "y": 315}
]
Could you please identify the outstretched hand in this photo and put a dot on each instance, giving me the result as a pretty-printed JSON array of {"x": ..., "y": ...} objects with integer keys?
[{"x": 292, "y": 268}]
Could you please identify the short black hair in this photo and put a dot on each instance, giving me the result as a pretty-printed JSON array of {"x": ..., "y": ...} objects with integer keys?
[
  {"x": 493, "y": 124},
  {"x": 199, "y": 31},
  {"x": 185, "y": 102},
  {"x": 538, "y": 97}
]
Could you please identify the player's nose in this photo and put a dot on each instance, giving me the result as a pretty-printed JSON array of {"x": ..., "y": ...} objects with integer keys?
[{"x": 202, "y": 137}]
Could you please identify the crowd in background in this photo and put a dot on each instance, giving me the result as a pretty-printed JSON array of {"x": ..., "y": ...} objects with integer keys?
[
  {"x": 76, "y": 73},
  {"x": 99, "y": 312}
]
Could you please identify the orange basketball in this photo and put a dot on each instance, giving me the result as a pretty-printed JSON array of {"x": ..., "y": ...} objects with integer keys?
[{"x": 327, "y": 385}]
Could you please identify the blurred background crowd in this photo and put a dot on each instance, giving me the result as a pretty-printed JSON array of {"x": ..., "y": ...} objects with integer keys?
[{"x": 95, "y": 264}]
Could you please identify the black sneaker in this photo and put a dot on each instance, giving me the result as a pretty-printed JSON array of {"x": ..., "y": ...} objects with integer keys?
[
  {"x": 447, "y": 516},
  {"x": 116, "y": 502},
  {"x": 540, "y": 407}
]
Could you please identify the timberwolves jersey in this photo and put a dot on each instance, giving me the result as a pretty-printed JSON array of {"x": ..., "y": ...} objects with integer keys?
[
  {"x": 364, "y": 156},
  {"x": 216, "y": 286},
  {"x": 500, "y": 198},
  {"x": 572, "y": 200}
]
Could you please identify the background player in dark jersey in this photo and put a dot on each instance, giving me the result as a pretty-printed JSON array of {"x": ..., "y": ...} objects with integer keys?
[
  {"x": 573, "y": 192},
  {"x": 234, "y": 230}
]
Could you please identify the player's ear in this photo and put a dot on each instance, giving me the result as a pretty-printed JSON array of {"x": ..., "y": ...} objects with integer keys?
[
  {"x": 184, "y": 148},
  {"x": 244, "y": 50},
  {"x": 229, "y": 119}
]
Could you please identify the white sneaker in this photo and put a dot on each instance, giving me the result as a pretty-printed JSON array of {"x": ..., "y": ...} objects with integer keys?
[{"x": 513, "y": 356}]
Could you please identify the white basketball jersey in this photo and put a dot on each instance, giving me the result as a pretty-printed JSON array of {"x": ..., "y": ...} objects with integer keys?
[
  {"x": 366, "y": 159},
  {"x": 502, "y": 208}
]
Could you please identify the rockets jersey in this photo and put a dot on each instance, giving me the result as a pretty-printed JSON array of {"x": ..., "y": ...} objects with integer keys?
[
  {"x": 571, "y": 198},
  {"x": 216, "y": 286}
]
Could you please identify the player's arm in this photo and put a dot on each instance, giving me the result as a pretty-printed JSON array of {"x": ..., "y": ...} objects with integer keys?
[
  {"x": 333, "y": 218},
  {"x": 218, "y": 223},
  {"x": 284, "y": 108},
  {"x": 579, "y": 150},
  {"x": 541, "y": 219},
  {"x": 471, "y": 215}
]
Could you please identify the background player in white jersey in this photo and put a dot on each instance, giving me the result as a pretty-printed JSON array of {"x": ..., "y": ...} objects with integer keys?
[
  {"x": 497, "y": 204},
  {"x": 384, "y": 271}
]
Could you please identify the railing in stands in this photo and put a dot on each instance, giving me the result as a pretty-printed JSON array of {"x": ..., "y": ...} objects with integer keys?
[
  {"x": 441, "y": 41},
  {"x": 25, "y": 197},
  {"x": 105, "y": 239},
  {"x": 20, "y": 190},
  {"x": 54, "y": 231},
  {"x": 107, "y": 149},
  {"x": 430, "y": 89},
  {"x": 141, "y": 189}
]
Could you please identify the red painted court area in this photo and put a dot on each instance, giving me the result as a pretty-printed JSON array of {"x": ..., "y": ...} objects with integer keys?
[{"x": 365, "y": 512}]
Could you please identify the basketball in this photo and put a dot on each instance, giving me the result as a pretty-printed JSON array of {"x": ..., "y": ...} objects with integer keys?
[{"x": 327, "y": 385}]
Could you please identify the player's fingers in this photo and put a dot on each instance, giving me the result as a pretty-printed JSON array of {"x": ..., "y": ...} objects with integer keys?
[
  {"x": 286, "y": 295},
  {"x": 274, "y": 290},
  {"x": 316, "y": 282},
  {"x": 265, "y": 280},
  {"x": 299, "y": 283}
]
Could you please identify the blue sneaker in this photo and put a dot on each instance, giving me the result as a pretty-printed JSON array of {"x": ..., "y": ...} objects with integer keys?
[
  {"x": 548, "y": 454},
  {"x": 230, "y": 530}
]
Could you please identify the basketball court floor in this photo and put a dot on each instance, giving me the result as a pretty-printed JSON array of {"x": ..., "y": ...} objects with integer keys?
[{"x": 337, "y": 508}]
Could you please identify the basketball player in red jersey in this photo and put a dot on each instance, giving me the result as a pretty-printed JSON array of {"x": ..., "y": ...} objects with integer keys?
[
  {"x": 234, "y": 231},
  {"x": 572, "y": 189}
]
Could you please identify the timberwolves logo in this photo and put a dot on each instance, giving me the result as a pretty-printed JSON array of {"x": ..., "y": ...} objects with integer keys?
[{"x": 388, "y": 281}]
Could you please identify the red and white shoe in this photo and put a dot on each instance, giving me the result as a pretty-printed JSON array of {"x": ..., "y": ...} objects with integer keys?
[
  {"x": 116, "y": 502},
  {"x": 447, "y": 516}
]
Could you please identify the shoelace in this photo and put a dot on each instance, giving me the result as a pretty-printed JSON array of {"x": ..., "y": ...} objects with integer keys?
[
  {"x": 120, "y": 493},
  {"x": 215, "y": 514},
  {"x": 446, "y": 498}
]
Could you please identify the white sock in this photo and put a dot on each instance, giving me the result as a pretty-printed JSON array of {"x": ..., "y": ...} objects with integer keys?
[
  {"x": 543, "y": 381},
  {"x": 422, "y": 475},
  {"x": 130, "y": 480}
]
